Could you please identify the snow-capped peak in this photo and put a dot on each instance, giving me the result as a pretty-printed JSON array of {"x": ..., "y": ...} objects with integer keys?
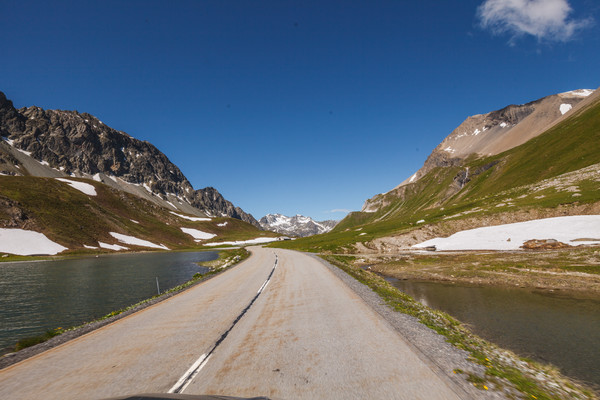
[
  {"x": 580, "y": 92},
  {"x": 298, "y": 225}
]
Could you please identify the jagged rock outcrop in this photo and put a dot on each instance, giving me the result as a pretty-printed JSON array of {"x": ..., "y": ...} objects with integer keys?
[
  {"x": 297, "y": 225},
  {"x": 54, "y": 142}
]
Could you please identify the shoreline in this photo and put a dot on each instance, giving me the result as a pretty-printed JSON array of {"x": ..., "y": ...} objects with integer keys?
[
  {"x": 9, "y": 359},
  {"x": 40, "y": 258},
  {"x": 573, "y": 272},
  {"x": 504, "y": 372}
]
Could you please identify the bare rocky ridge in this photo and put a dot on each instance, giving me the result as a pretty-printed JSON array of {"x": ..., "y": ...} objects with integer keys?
[
  {"x": 54, "y": 143},
  {"x": 297, "y": 225},
  {"x": 493, "y": 133}
]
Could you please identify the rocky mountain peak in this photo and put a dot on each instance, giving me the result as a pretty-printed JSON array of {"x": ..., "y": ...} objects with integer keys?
[
  {"x": 298, "y": 225},
  {"x": 57, "y": 142}
]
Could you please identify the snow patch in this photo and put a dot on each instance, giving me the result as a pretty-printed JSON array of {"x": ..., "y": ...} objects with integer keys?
[
  {"x": 503, "y": 125},
  {"x": 26, "y": 243},
  {"x": 195, "y": 219},
  {"x": 114, "y": 247},
  {"x": 90, "y": 247},
  {"x": 222, "y": 224},
  {"x": 581, "y": 92},
  {"x": 86, "y": 188},
  {"x": 476, "y": 132},
  {"x": 197, "y": 234},
  {"x": 243, "y": 242},
  {"x": 564, "y": 108},
  {"x": 420, "y": 221},
  {"x": 134, "y": 221},
  {"x": 564, "y": 229},
  {"x": 412, "y": 178},
  {"x": 136, "y": 241},
  {"x": 97, "y": 178}
]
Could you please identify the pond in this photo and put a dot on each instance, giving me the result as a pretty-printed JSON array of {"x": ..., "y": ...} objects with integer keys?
[
  {"x": 41, "y": 295},
  {"x": 544, "y": 326}
]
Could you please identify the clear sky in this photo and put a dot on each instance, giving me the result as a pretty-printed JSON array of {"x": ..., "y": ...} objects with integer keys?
[{"x": 306, "y": 107}]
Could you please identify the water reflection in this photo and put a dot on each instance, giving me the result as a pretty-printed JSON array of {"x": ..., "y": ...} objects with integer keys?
[
  {"x": 543, "y": 326},
  {"x": 36, "y": 296}
]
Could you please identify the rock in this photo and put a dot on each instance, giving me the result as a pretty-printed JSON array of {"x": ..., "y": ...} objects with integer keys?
[{"x": 544, "y": 244}]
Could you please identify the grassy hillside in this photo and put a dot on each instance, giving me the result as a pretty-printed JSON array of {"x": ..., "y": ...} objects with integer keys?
[
  {"x": 540, "y": 174},
  {"x": 73, "y": 219}
]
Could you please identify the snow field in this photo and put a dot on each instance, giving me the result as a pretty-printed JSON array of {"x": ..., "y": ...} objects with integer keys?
[
  {"x": 512, "y": 236},
  {"x": 136, "y": 241},
  {"x": 197, "y": 234},
  {"x": 86, "y": 188},
  {"x": 114, "y": 247},
  {"x": 564, "y": 108},
  {"x": 26, "y": 243},
  {"x": 195, "y": 219},
  {"x": 241, "y": 242}
]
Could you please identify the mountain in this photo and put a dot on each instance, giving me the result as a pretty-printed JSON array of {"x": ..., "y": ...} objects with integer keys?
[
  {"x": 524, "y": 162},
  {"x": 42, "y": 215},
  {"x": 297, "y": 225},
  {"x": 493, "y": 133},
  {"x": 56, "y": 143}
]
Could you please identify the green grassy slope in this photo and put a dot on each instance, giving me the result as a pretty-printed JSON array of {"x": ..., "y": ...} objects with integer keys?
[
  {"x": 73, "y": 219},
  {"x": 500, "y": 183}
]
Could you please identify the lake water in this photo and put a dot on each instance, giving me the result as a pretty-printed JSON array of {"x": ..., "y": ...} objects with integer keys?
[
  {"x": 37, "y": 296},
  {"x": 541, "y": 325}
]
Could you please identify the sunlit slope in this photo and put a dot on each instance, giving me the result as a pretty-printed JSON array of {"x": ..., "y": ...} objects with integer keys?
[
  {"x": 557, "y": 168},
  {"x": 74, "y": 219}
]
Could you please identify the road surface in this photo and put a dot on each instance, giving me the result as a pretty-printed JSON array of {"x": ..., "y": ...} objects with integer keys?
[{"x": 280, "y": 325}]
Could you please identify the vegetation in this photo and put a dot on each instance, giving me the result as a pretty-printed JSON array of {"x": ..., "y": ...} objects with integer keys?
[
  {"x": 504, "y": 371},
  {"x": 32, "y": 341},
  {"x": 73, "y": 219},
  {"x": 545, "y": 269}
]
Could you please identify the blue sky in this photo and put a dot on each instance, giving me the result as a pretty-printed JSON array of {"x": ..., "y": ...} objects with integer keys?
[{"x": 295, "y": 106}]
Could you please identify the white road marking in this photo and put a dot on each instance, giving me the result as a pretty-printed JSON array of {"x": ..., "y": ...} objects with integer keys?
[
  {"x": 195, "y": 369},
  {"x": 190, "y": 374}
]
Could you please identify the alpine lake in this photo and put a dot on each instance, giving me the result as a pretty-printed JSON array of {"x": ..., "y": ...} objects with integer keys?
[{"x": 37, "y": 296}]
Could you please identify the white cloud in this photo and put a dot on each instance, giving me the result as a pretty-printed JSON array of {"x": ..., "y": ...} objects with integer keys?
[
  {"x": 543, "y": 19},
  {"x": 340, "y": 210}
]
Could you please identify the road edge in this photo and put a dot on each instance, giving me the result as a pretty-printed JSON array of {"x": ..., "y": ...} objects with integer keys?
[{"x": 432, "y": 348}]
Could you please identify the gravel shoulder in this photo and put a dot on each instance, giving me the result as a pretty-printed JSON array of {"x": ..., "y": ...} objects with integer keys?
[{"x": 431, "y": 347}]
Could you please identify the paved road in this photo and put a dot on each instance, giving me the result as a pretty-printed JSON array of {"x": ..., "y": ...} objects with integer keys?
[{"x": 306, "y": 335}]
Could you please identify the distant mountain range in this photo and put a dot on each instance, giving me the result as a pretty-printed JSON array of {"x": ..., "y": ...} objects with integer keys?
[
  {"x": 297, "y": 225},
  {"x": 56, "y": 143}
]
